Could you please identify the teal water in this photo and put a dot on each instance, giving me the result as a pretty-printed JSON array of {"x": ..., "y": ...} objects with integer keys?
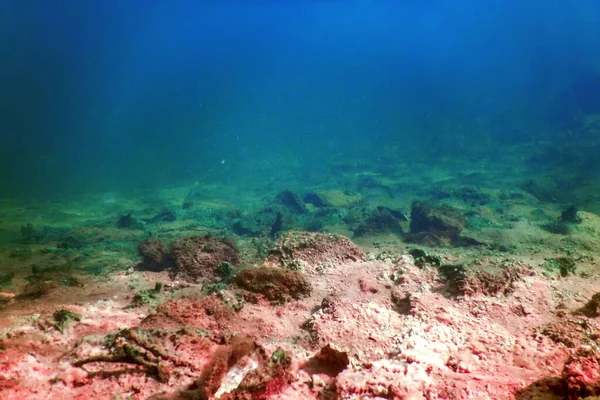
[
  {"x": 105, "y": 96},
  {"x": 153, "y": 152}
]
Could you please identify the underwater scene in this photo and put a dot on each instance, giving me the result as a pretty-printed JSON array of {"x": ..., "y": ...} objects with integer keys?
[{"x": 319, "y": 199}]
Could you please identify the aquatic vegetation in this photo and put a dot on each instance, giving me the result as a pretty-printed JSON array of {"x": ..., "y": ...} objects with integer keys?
[
  {"x": 180, "y": 223},
  {"x": 544, "y": 188},
  {"x": 564, "y": 265},
  {"x": 21, "y": 252},
  {"x": 63, "y": 318},
  {"x": 146, "y": 297},
  {"x": 423, "y": 259},
  {"x": 211, "y": 214}
]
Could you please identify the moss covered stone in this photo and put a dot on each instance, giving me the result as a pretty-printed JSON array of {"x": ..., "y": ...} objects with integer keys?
[{"x": 275, "y": 284}]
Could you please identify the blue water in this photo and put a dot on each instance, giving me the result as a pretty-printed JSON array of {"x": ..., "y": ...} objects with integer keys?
[{"x": 115, "y": 95}]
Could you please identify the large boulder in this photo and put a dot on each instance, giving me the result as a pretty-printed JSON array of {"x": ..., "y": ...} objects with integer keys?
[
  {"x": 443, "y": 223},
  {"x": 312, "y": 251},
  {"x": 203, "y": 259}
]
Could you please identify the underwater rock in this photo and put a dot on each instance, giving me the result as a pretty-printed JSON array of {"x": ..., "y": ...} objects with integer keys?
[
  {"x": 472, "y": 195},
  {"x": 275, "y": 284},
  {"x": 443, "y": 222},
  {"x": 543, "y": 188},
  {"x": 581, "y": 373},
  {"x": 71, "y": 243},
  {"x": 292, "y": 201},
  {"x": 565, "y": 223},
  {"x": 328, "y": 361},
  {"x": 370, "y": 185},
  {"x": 126, "y": 221},
  {"x": 333, "y": 198},
  {"x": 564, "y": 265},
  {"x": 591, "y": 308},
  {"x": 422, "y": 259},
  {"x": 164, "y": 216},
  {"x": 214, "y": 311},
  {"x": 263, "y": 222},
  {"x": 28, "y": 234},
  {"x": 570, "y": 215},
  {"x": 295, "y": 249},
  {"x": 277, "y": 225},
  {"x": 382, "y": 220},
  {"x": 193, "y": 197},
  {"x": 155, "y": 256},
  {"x": 212, "y": 214},
  {"x": 494, "y": 283},
  {"x": 454, "y": 277},
  {"x": 63, "y": 318},
  {"x": 198, "y": 258}
]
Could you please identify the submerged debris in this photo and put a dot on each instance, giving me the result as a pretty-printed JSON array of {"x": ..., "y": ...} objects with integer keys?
[{"x": 135, "y": 346}]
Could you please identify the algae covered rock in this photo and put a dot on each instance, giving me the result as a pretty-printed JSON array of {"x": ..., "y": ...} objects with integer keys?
[
  {"x": 296, "y": 249},
  {"x": 63, "y": 318},
  {"x": 382, "y": 220},
  {"x": 211, "y": 214},
  {"x": 200, "y": 258},
  {"x": 333, "y": 198},
  {"x": 155, "y": 256},
  {"x": 292, "y": 201},
  {"x": 275, "y": 284},
  {"x": 263, "y": 222},
  {"x": 543, "y": 188},
  {"x": 443, "y": 222}
]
